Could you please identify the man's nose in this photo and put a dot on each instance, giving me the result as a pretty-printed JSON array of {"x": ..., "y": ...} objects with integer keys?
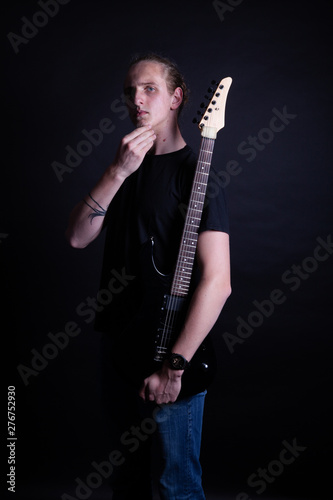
[{"x": 137, "y": 97}]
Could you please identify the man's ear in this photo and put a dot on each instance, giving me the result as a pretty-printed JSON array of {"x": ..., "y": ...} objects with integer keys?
[{"x": 177, "y": 98}]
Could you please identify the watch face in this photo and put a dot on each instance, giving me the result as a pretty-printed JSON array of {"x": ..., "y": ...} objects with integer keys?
[{"x": 177, "y": 362}]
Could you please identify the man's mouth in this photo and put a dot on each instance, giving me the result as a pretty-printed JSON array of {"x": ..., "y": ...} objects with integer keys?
[{"x": 141, "y": 113}]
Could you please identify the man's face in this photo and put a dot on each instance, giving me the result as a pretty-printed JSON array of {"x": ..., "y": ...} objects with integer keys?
[{"x": 151, "y": 103}]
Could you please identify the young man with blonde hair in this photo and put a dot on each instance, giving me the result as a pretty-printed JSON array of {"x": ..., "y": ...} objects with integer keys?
[{"x": 137, "y": 201}]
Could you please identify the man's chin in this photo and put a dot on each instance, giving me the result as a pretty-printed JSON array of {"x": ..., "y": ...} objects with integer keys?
[{"x": 141, "y": 122}]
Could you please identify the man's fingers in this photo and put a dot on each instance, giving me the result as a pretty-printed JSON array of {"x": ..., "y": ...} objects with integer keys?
[
  {"x": 139, "y": 142},
  {"x": 138, "y": 135},
  {"x": 145, "y": 140}
]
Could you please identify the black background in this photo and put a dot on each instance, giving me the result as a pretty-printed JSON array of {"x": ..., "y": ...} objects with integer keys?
[{"x": 274, "y": 386}]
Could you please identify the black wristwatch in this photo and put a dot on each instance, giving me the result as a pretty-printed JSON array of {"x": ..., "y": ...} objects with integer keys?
[{"x": 177, "y": 361}]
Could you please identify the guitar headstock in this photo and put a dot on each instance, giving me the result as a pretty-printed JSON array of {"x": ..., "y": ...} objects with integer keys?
[{"x": 213, "y": 118}]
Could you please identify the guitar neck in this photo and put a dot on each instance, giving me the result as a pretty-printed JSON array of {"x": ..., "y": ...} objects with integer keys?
[{"x": 183, "y": 271}]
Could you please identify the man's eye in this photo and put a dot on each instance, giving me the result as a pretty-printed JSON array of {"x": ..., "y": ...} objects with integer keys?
[{"x": 150, "y": 89}]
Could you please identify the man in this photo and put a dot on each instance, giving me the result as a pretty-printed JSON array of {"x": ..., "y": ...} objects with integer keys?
[{"x": 138, "y": 200}]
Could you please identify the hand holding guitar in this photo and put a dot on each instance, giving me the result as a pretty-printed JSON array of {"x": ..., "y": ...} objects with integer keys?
[{"x": 162, "y": 386}]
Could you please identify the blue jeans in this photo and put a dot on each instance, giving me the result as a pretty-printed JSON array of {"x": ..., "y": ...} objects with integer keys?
[
  {"x": 178, "y": 440},
  {"x": 161, "y": 442}
]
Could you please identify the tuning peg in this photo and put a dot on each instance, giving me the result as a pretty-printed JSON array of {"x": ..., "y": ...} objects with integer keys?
[
  {"x": 213, "y": 82},
  {"x": 202, "y": 105},
  {"x": 210, "y": 90}
]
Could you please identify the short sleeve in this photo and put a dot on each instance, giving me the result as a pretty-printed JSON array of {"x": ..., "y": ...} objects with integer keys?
[{"x": 215, "y": 212}]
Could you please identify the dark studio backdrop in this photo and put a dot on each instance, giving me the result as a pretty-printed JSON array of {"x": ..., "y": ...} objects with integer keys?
[{"x": 267, "y": 432}]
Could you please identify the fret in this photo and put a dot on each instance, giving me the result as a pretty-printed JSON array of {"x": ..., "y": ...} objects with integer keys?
[
  {"x": 195, "y": 209},
  {"x": 185, "y": 266},
  {"x": 181, "y": 266},
  {"x": 183, "y": 273},
  {"x": 192, "y": 219},
  {"x": 182, "y": 280},
  {"x": 185, "y": 257},
  {"x": 179, "y": 293},
  {"x": 196, "y": 205},
  {"x": 190, "y": 260},
  {"x": 200, "y": 196},
  {"x": 182, "y": 286},
  {"x": 189, "y": 236},
  {"x": 196, "y": 201},
  {"x": 190, "y": 243},
  {"x": 182, "y": 283},
  {"x": 190, "y": 240},
  {"x": 199, "y": 182},
  {"x": 187, "y": 250}
]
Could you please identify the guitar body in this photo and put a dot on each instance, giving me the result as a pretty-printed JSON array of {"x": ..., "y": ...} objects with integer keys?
[
  {"x": 201, "y": 371},
  {"x": 141, "y": 338}
]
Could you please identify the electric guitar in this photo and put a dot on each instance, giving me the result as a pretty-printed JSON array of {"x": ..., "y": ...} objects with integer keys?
[
  {"x": 169, "y": 319},
  {"x": 202, "y": 367}
]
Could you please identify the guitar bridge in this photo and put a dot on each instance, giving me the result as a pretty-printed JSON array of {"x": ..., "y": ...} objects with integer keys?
[{"x": 160, "y": 353}]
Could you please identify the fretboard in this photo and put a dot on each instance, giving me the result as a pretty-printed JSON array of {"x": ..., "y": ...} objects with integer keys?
[{"x": 183, "y": 271}]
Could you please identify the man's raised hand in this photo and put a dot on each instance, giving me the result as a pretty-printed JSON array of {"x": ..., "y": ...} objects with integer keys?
[{"x": 132, "y": 150}]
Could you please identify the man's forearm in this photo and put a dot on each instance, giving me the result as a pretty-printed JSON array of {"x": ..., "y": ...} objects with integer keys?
[
  {"x": 86, "y": 219},
  {"x": 204, "y": 309}
]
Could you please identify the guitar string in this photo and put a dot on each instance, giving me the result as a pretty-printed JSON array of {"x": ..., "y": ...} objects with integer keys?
[
  {"x": 200, "y": 180},
  {"x": 184, "y": 253}
]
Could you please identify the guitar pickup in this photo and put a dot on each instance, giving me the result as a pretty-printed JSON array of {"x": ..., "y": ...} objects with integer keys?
[{"x": 173, "y": 303}]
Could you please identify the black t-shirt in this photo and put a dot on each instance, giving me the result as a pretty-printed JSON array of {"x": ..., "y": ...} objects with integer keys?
[{"x": 150, "y": 206}]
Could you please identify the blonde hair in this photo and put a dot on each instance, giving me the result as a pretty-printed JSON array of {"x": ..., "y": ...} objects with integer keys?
[{"x": 174, "y": 77}]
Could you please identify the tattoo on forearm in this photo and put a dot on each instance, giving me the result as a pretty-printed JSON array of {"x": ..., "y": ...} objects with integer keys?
[{"x": 97, "y": 212}]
